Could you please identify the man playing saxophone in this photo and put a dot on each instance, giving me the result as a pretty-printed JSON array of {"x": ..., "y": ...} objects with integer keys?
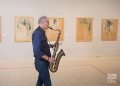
[{"x": 42, "y": 52}]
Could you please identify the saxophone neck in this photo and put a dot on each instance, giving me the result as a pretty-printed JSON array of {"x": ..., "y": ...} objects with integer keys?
[{"x": 59, "y": 31}]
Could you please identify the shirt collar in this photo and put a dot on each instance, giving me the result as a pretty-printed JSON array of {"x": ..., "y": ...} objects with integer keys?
[{"x": 41, "y": 28}]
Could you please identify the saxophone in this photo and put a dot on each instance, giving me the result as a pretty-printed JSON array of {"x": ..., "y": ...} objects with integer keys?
[{"x": 53, "y": 67}]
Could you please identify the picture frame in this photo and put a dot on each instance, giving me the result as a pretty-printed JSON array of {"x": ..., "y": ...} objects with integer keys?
[
  {"x": 84, "y": 27},
  {"x": 109, "y": 29},
  {"x": 24, "y": 26}
]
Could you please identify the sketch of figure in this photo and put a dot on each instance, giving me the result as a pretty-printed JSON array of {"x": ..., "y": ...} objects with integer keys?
[
  {"x": 24, "y": 28},
  {"x": 55, "y": 23},
  {"x": 109, "y": 29},
  {"x": 108, "y": 25},
  {"x": 87, "y": 23},
  {"x": 84, "y": 29}
]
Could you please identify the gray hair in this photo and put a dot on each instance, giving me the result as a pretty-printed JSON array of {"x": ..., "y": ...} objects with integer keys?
[{"x": 42, "y": 18}]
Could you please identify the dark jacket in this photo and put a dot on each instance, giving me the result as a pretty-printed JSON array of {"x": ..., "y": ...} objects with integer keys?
[{"x": 40, "y": 44}]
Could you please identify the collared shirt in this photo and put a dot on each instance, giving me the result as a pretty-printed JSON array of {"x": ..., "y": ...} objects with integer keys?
[{"x": 40, "y": 44}]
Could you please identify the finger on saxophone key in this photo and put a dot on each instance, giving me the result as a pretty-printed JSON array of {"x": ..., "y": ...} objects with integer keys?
[{"x": 51, "y": 59}]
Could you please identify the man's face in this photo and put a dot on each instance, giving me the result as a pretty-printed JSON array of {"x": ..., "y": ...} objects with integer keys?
[{"x": 45, "y": 24}]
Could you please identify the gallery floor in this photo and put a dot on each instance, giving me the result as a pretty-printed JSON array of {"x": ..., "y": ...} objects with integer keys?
[{"x": 72, "y": 72}]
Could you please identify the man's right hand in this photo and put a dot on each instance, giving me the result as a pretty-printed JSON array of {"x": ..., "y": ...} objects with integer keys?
[{"x": 51, "y": 59}]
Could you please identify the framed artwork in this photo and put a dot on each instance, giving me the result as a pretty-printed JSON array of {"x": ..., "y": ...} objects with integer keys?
[
  {"x": 109, "y": 29},
  {"x": 24, "y": 26},
  {"x": 0, "y": 30},
  {"x": 55, "y": 23},
  {"x": 84, "y": 29}
]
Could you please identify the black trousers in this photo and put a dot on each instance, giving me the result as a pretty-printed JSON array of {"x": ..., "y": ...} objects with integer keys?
[{"x": 43, "y": 71}]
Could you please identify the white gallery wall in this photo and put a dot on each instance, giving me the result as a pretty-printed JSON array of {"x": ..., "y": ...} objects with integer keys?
[{"x": 69, "y": 10}]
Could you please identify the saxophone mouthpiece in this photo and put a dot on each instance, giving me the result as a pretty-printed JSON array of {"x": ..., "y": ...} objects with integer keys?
[{"x": 50, "y": 28}]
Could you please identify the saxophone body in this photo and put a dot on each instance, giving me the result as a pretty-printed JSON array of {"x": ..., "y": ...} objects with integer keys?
[{"x": 53, "y": 67}]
